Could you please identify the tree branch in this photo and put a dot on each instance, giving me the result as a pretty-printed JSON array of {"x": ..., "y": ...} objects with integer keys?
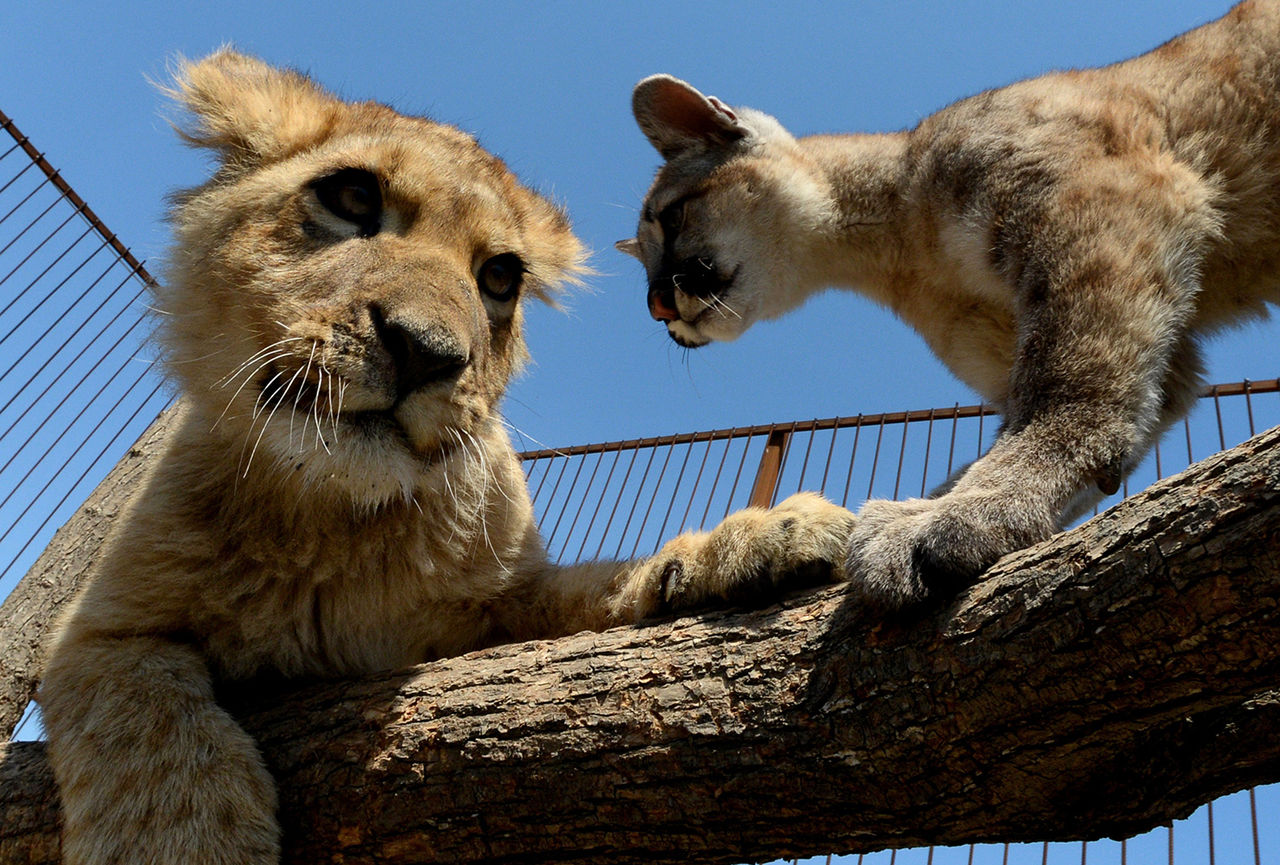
[
  {"x": 1102, "y": 683},
  {"x": 52, "y": 580}
]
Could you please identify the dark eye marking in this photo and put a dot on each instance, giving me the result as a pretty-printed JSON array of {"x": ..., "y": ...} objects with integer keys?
[
  {"x": 354, "y": 195},
  {"x": 500, "y": 277},
  {"x": 672, "y": 217}
]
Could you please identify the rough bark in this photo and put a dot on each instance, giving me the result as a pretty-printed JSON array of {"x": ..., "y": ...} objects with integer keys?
[
  {"x": 34, "y": 603},
  {"x": 1104, "y": 682}
]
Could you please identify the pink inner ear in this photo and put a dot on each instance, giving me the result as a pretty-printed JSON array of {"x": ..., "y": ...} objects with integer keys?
[
  {"x": 690, "y": 112},
  {"x": 722, "y": 108}
]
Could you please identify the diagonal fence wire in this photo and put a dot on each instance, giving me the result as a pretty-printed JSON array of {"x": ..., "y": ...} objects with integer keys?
[{"x": 76, "y": 382}]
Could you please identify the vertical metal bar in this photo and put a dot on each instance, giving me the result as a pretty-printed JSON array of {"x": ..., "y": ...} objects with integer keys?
[
  {"x": 767, "y": 472},
  {"x": 1217, "y": 409},
  {"x": 684, "y": 520},
  {"x": 568, "y": 499},
  {"x": 715, "y": 482},
  {"x": 804, "y": 465},
  {"x": 644, "y": 476},
  {"x": 928, "y": 446},
  {"x": 831, "y": 450},
  {"x": 666, "y": 461},
  {"x": 534, "y": 465},
  {"x": 853, "y": 454},
  {"x": 564, "y": 466},
  {"x": 1159, "y": 469},
  {"x": 581, "y": 504},
  {"x": 1170, "y": 844},
  {"x": 902, "y": 458},
  {"x": 982, "y": 416},
  {"x": 742, "y": 463},
  {"x": 782, "y": 466},
  {"x": 1044, "y": 855},
  {"x": 635, "y": 452},
  {"x": 1253, "y": 819},
  {"x": 675, "y": 489},
  {"x": 617, "y": 457},
  {"x": 875, "y": 458},
  {"x": 1186, "y": 427},
  {"x": 1211, "y": 856},
  {"x": 1248, "y": 404}
]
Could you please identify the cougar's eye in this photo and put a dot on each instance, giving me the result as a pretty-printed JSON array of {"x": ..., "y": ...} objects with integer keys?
[
  {"x": 352, "y": 194},
  {"x": 500, "y": 276},
  {"x": 672, "y": 219}
]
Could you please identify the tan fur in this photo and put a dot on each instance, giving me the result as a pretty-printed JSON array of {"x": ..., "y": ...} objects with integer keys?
[
  {"x": 1062, "y": 244},
  {"x": 339, "y": 496}
]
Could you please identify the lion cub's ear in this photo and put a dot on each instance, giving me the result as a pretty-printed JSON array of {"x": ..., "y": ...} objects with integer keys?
[
  {"x": 248, "y": 111},
  {"x": 675, "y": 116}
]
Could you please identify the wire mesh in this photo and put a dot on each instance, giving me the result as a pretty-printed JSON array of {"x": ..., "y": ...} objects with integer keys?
[{"x": 76, "y": 382}]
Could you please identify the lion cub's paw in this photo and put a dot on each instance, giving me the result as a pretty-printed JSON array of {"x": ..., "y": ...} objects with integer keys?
[
  {"x": 753, "y": 556},
  {"x": 908, "y": 552}
]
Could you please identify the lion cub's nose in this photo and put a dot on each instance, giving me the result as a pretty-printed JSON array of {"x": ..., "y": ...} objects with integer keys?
[{"x": 421, "y": 355}]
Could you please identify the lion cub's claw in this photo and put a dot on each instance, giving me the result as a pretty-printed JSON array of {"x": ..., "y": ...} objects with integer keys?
[{"x": 755, "y": 555}]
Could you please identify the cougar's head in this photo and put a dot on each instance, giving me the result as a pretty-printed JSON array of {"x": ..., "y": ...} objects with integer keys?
[
  {"x": 344, "y": 295},
  {"x": 727, "y": 224}
]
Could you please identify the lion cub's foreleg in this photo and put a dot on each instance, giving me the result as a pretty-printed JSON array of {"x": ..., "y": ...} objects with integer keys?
[
  {"x": 1104, "y": 363},
  {"x": 150, "y": 768}
]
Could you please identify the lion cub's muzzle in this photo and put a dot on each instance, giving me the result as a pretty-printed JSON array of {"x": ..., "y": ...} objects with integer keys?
[{"x": 421, "y": 355}]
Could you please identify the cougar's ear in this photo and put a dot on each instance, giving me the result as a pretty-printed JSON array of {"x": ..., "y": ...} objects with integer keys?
[
  {"x": 675, "y": 116},
  {"x": 247, "y": 111}
]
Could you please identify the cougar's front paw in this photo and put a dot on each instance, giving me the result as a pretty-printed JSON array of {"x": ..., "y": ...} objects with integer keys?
[
  {"x": 753, "y": 556},
  {"x": 904, "y": 553}
]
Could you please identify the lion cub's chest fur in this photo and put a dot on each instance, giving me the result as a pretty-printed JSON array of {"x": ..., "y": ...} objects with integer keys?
[{"x": 284, "y": 580}]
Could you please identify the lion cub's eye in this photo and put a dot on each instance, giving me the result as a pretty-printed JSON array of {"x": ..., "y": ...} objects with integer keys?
[
  {"x": 500, "y": 276},
  {"x": 352, "y": 194}
]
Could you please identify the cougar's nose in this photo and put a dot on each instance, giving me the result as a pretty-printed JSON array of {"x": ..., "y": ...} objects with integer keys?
[
  {"x": 662, "y": 303},
  {"x": 421, "y": 355}
]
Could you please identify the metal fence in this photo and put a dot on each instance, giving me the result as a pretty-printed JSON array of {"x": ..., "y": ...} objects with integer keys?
[
  {"x": 625, "y": 498},
  {"x": 77, "y": 387}
]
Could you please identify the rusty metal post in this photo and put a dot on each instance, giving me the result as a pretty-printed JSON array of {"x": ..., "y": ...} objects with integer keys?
[{"x": 770, "y": 464}]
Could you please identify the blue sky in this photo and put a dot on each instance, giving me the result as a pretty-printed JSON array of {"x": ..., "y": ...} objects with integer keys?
[{"x": 546, "y": 86}]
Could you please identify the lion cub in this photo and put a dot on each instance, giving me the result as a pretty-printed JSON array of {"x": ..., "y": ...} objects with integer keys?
[
  {"x": 343, "y": 313},
  {"x": 1063, "y": 244}
]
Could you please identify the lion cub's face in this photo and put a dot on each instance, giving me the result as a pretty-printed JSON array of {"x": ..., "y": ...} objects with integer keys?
[{"x": 344, "y": 296}]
